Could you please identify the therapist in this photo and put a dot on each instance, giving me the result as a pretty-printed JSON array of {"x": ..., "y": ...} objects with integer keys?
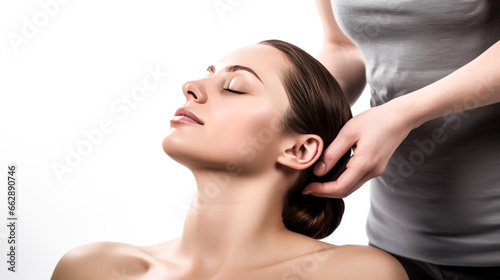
[{"x": 431, "y": 140}]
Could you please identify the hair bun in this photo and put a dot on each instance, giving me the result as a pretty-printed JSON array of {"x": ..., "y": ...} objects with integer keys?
[{"x": 316, "y": 217}]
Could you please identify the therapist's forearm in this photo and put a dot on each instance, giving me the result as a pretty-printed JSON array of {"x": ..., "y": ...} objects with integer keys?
[{"x": 476, "y": 84}]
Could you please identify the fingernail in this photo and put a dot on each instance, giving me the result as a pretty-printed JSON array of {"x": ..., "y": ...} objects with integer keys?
[
  {"x": 306, "y": 192},
  {"x": 320, "y": 169}
]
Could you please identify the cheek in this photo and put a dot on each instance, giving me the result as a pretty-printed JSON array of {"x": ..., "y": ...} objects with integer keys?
[
  {"x": 250, "y": 124},
  {"x": 248, "y": 137}
]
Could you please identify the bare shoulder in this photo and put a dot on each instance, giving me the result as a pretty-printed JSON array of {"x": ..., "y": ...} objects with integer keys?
[
  {"x": 102, "y": 260},
  {"x": 359, "y": 262}
]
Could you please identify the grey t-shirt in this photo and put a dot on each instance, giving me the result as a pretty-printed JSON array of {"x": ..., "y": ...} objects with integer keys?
[{"x": 439, "y": 199}]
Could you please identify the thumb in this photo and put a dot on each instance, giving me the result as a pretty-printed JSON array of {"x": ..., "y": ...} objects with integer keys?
[{"x": 332, "y": 154}]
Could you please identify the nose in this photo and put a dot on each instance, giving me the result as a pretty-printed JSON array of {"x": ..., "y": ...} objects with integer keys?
[{"x": 195, "y": 90}]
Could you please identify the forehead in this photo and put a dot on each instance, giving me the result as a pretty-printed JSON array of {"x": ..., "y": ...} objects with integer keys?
[{"x": 268, "y": 62}]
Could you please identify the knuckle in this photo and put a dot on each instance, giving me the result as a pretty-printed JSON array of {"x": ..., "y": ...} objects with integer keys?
[
  {"x": 340, "y": 191},
  {"x": 368, "y": 165},
  {"x": 341, "y": 194},
  {"x": 379, "y": 171},
  {"x": 329, "y": 154},
  {"x": 332, "y": 190}
]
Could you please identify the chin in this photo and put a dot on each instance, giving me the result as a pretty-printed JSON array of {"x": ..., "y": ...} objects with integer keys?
[
  {"x": 191, "y": 154},
  {"x": 173, "y": 147}
]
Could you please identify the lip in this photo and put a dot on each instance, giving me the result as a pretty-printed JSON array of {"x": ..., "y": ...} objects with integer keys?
[{"x": 184, "y": 115}]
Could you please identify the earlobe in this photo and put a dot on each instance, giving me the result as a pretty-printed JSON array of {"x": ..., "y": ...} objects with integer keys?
[{"x": 301, "y": 152}]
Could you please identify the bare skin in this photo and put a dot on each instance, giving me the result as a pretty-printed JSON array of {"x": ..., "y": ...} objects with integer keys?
[
  {"x": 106, "y": 260},
  {"x": 234, "y": 228}
]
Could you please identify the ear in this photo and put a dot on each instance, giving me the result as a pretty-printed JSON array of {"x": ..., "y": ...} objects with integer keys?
[{"x": 301, "y": 151}]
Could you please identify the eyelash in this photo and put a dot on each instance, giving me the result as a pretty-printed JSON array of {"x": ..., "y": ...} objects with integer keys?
[{"x": 233, "y": 91}]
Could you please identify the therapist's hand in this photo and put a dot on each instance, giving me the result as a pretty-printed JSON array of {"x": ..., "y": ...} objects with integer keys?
[{"x": 373, "y": 135}]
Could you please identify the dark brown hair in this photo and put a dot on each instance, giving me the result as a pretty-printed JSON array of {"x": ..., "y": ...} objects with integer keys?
[{"x": 317, "y": 106}]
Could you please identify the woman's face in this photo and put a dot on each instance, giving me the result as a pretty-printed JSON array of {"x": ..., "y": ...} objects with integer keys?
[{"x": 232, "y": 118}]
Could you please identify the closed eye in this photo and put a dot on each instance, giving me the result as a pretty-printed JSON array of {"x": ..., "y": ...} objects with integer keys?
[{"x": 233, "y": 91}]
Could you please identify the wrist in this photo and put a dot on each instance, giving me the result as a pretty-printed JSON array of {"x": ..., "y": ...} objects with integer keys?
[{"x": 410, "y": 112}]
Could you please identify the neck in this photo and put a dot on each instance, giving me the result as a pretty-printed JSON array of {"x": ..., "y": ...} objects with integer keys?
[{"x": 233, "y": 215}]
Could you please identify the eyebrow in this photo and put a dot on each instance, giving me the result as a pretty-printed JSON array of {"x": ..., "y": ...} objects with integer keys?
[{"x": 234, "y": 68}]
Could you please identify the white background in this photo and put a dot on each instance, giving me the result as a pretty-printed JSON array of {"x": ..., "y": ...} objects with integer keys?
[{"x": 62, "y": 78}]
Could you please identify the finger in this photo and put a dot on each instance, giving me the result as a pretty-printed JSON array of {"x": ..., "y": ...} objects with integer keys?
[
  {"x": 331, "y": 155},
  {"x": 359, "y": 184},
  {"x": 351, "y": 190},
  {"x": 340, "y": 187}
]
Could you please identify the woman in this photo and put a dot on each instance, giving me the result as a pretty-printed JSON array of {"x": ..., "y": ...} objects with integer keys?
[
  {"x": 432, "y": 137},
  {"x": 249, "y": 132}
]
